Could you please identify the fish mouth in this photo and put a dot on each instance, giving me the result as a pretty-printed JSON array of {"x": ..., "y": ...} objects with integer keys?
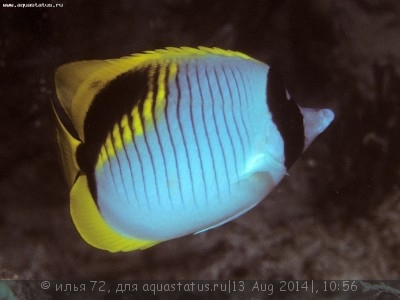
[{"x": 315, "y": 122}]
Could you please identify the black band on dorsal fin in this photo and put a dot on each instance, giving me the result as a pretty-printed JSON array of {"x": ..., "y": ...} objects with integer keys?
[
  {"x": 287, "y": 117},
  {"x": 111, "y": 103}
]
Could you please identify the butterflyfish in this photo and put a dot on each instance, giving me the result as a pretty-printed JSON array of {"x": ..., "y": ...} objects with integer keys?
[{"x": 176, "y": 141}]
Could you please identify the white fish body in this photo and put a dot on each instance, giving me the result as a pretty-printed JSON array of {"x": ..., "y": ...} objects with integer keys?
[{"x": 174, "y": 142}]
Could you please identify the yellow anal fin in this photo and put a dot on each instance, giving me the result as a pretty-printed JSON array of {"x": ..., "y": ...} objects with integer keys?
[{"x": 92, "y": 227}]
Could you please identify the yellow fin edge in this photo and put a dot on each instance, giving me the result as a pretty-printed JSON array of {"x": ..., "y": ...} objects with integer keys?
[
  {"x": 182, "y": 51},
  {"x": 92, "y": 227}
]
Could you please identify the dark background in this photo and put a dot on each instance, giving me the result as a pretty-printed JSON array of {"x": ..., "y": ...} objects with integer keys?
[{"x": 337, "y": 215}]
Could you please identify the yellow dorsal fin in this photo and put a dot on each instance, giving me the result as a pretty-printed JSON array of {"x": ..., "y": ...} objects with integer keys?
[
  {"x": 78, "y": 83},
  {"x": 91, "y": 225},
  {"x": 173, "y": 52}
]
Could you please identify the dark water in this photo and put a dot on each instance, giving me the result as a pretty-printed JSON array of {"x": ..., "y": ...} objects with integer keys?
[{"x": 336, "y": 216}]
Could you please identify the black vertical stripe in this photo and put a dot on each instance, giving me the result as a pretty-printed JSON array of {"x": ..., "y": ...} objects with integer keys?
[
  {"x": 111, "y": 170},
  {"x": 235, "y": 122},
  {"x": 217, "y": 130},
  {"x": 203, "y": 103},
  {"x": 194, "y": 130},
  {"x": 153, "y": 114},
  {"x": 112, "y": 141},
  {"x": 121, "y": 133},
  {"x": 131, "y": 121},
  {"x": 146, "y": 142},
  {"x": 117, "y": 98},
  {"x": 246, "y": 95},
  {"x": 226, "y": 123},
  {"x": 287, "y": 117},
  {"x": 179, "y": 100},
  {"x": 242, "y": 109},
  {"x": 166, "y": 116}
]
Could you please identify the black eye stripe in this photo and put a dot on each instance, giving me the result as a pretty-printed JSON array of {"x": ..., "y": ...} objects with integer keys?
[
  {"x": 117, "y": 98},
  {"x": 287, "y": 117}
]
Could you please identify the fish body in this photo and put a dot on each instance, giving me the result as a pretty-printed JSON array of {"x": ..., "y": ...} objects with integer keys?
[
  {"x": 6, "y": 292},
  {"x": 176, "y": 141}
]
